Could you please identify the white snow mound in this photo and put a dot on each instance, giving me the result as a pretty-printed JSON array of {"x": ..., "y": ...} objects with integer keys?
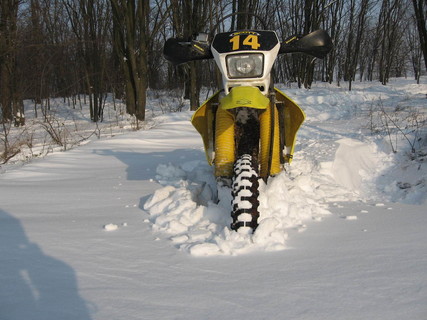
[
  {"x": 356, "y": 163},
  {"x": 186, "y": 211}
]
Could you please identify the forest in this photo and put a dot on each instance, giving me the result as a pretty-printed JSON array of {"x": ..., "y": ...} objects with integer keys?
[{"x": 68, "y": 48}]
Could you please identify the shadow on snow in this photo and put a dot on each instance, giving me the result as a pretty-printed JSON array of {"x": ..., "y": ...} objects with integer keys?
[{"x": 34, "y": 285}]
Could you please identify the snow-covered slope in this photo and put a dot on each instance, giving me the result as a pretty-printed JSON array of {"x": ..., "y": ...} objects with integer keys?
[{"x": 114, "y": 229}]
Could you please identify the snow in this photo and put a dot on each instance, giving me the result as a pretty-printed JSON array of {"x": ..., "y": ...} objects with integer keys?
[
  {"x": 111, "y": 227},
  {"x": 134, "y": 227}
]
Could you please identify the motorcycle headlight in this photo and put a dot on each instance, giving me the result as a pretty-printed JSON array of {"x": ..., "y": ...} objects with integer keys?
[{"x": 248, "y": 65}]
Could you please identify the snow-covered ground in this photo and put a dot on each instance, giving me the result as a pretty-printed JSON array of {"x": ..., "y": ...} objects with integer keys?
[{"x": 126, "y": 227}]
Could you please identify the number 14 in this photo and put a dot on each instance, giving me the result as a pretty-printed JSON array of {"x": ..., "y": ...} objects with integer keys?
[{"x": 250, "y": 40}]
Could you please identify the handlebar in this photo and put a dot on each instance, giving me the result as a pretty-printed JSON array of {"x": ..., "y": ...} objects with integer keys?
[
  {"x": 177, "y": 50},
  {"x": 317, "y": 44}
]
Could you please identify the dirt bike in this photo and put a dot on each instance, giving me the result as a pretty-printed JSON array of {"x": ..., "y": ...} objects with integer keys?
[{"x": 249, "y": 127}]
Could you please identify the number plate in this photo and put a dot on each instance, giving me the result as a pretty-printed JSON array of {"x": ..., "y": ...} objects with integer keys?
[{"x": 245, "y": 40}]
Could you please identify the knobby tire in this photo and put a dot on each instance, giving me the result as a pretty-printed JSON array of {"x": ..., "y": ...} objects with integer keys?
[{"x": 245, "y": 194}]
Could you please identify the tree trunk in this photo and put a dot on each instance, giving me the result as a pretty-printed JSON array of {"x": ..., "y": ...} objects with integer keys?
[
  {"x": 131, "y": 36},
  {"x": 420, "y": 7},
  {"x": 91, "y": 33},
  {"x": 10, "y": 95}
]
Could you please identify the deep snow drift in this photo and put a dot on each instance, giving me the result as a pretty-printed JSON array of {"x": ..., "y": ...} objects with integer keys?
[
  {"x": 114, "y": 229},
  {"x": 330, "y": 166}
]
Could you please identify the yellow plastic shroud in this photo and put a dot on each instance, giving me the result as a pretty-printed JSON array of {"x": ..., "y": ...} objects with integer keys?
[{"x": 216, "y": 126}]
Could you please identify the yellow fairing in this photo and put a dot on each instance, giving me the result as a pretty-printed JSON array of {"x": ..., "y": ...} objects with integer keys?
[
  {"x": 218, "y": 136},
  {"x": 291, "y": 117},
  {"x": 203, "y": 121},
  {"x": 279, "y": 124}
]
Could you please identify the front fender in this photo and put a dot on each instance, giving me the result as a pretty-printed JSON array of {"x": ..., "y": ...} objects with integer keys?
[{"x": 249, "y": 97}]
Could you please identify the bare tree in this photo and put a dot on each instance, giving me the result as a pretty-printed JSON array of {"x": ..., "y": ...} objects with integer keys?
[
  {"x": 306, "y": 16},
  {"x": 245, "y": 21},
  {"x": 391, "y": 30},
  {"x": 10, "y": 95},
  {"x": 355, "y": 36},
  {"x": 416, "y": 54},
  {"x": 188, "y": 18},
  {"x": 420, "y": 9},
  {"x": 133, "y": 35},
  {"x": 90, "y": 21},
  {"x": 333, "y": 23}
]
